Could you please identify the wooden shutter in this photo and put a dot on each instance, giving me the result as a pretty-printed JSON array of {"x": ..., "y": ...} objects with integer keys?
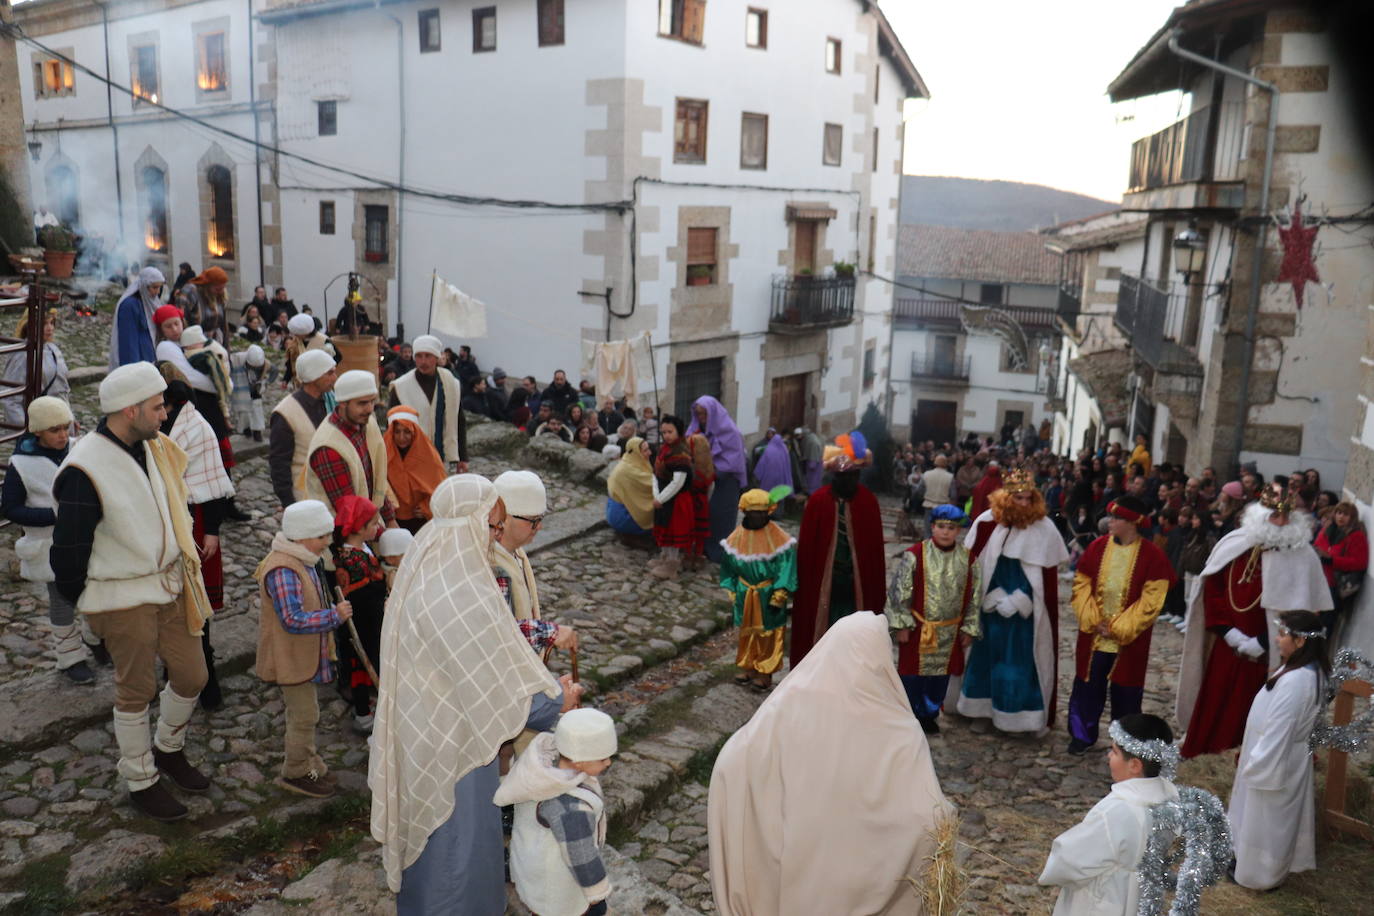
[
  {"x": 690, "y": 131},
  {"x": 701, "y": 246},
  {"x": 693, "y": 20}
]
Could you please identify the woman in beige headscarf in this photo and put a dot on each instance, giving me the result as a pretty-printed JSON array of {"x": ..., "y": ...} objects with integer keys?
[
  {"x": 459, "y": 680},
  {"x": 836, "y": 825}
]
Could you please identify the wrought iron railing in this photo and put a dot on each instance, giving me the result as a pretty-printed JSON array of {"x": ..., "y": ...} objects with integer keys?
[
  {"x": 1142, "y": 314},
  {"x": 812, "y": 301},
  {"x": 941, "y": 367},
  {"x": 916, "y": 310}
]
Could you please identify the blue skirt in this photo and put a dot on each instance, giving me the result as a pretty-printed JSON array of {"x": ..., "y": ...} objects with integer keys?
[{"x": 620, "y": 520}]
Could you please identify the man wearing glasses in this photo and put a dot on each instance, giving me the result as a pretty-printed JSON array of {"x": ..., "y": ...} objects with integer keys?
[{"x": 526, "y": 504}]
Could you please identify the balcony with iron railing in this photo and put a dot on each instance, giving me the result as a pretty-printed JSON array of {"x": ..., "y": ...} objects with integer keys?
[
  {"x": 941, "y": 368},
  {"x": 1149, "y": 317},
  {"x": 919, "y": 312},
  {"x": 1204, "y": 148},
  {"x": 805, "y": 303}
]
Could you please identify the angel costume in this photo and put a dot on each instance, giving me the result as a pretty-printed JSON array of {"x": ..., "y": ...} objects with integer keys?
[
  {"x": 786, "y": 835},
  {"x": 1272, "y": 814},
  {"x": 1231, "y": 641},
  {"x": 462, "y": 680}
]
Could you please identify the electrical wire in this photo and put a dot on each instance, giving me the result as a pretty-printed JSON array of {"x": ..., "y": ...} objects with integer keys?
[{"x": 15, "y": 33}]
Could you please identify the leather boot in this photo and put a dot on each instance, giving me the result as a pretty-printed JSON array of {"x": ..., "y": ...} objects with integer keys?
[
  {"x": 174, "y": 714},
  {"x": 158, "y": 803},
  {"x": 175, "y": 766}
]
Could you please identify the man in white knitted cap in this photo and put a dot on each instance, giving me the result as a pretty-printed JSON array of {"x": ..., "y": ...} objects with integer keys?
[
  {"x": 27, "y": 500},
  {"x": 296, "y": 625},
  {"x": 436, "y": 396},
  {"x": 305, "y": 337},
  {"x": 294, "y": 421},
  {"x": 347, "y": 454},
  {"x": 526, "y": 504},
  {"x": 123, "y": 552}
]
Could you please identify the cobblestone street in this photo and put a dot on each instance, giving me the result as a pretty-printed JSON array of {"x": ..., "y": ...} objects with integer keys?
[{"x": 657, "y": 656}]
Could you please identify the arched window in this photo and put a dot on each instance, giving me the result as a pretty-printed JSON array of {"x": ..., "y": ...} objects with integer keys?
[
  {"x": 155, "y": 209},
  {"x": 65, "y": 199},
  {"x": 221, "y": 239}
]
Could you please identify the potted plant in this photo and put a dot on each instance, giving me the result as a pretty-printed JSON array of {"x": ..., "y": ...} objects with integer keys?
[
  {"x": 699, "y": 275},
  {"x": 844, "y": 269},
  {"x": 59, "y": 251}
]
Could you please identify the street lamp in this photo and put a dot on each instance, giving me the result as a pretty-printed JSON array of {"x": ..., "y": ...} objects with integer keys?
[{"x": 1190, "y": 252}]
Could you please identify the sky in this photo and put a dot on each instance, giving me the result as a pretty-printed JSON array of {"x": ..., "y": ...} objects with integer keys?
[{"x": 1018, "y": 89}]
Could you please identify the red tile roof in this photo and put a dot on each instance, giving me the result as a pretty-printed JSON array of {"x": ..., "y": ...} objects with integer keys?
[{"x": 975, "y": 254}]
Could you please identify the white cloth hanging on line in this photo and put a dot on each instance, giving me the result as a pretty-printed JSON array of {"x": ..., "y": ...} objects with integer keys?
[{"x": 619, "y": 367}]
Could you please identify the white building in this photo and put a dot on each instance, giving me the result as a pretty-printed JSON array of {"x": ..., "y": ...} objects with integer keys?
[
  {"x": 697, "y": 171},
  {"x": 954, "y": 370},
  {"x": 152, "y": 187},
  {"x": 1094, "y": 371}
]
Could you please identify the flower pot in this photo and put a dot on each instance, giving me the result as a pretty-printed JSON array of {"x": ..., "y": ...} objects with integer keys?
[
  {"x": 698, "y": 281},
  {"x": 59, "y": 263}
]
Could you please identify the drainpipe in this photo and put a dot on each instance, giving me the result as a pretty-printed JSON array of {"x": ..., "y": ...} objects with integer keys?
[
  {"x": 401, "y": 167},
  {"x": 1252, "y": 314},
  {"x": 114, "y": 129}
]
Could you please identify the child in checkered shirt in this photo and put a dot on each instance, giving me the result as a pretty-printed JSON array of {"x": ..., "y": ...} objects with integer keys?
[{"x": 560, "y": 818}]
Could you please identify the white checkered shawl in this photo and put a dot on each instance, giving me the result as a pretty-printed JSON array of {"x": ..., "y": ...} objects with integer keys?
[
  {"x": 205, "y": 476},
  {"x": 456, "y": 675}
]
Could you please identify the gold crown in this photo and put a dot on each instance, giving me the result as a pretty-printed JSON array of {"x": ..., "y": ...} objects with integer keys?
[
  {"x": 1018, "y": 481},
  {"x": 1276, "y": 499}
]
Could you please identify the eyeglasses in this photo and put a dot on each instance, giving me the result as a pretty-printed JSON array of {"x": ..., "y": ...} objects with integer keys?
[{"x": 533, "y": 522}]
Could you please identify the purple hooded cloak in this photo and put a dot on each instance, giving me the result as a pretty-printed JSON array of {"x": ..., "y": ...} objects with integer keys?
[
  {"x": 774, "y": 467},
  {"x": 727, "y": 444}
]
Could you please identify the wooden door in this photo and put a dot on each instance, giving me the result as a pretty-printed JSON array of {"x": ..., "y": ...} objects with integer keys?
[
  {"x": 804, "y": 247},
  {"x": 787, "y": 404},
  {"x": 934, "y": 420}
]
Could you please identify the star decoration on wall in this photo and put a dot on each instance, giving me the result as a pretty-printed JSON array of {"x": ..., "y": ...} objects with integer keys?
[{"x": 1298, "y": 267}]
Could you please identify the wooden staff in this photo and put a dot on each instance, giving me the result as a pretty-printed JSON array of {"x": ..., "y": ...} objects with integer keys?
[{"x": 353, "y": 636}]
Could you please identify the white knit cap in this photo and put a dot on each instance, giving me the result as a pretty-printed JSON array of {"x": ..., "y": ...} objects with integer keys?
[
  {"x": 585, "y": 734},
  {"x": 312, "y": 364},
  {"x": 428, "y": 343},
  {"x": 47, "y": 412},
  {"x": 522, "y": 492},
  {"x": 128, "y": 385},
  {"x": 308, "y": 518},
  {"x": 355, "y": 383},
  {"x": 192, "y": 337},
  {"x": 394, "y": 542},
  {"x": 611, "y": 451},
  {"x": 301, "y": 325},
  {"x": 255, "y": 357}
]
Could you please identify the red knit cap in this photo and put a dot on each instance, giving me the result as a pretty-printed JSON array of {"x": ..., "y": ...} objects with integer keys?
[{"x": 165, "y": 312}]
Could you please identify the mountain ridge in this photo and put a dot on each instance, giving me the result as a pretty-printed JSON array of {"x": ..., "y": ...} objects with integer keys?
[{"x": 1007, "y": 206}]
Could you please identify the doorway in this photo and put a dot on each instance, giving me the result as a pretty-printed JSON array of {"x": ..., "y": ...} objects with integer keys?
[
  {"x": 804, "y": 247},
  {"x": 934, "y": 420},
  {"x": 787, "y": 402}
]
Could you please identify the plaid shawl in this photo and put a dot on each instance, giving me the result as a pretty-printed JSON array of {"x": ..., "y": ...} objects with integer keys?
[
  {"x": 457, "y": 676},
  {"x": 205, "y": 476}
]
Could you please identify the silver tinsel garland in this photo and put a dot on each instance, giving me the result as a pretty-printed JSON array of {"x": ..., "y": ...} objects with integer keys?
[
  {"x": 1153, "y": 750},
  {"x": 1350, "y": 664},
  {"x": 1199, "y": 819}
]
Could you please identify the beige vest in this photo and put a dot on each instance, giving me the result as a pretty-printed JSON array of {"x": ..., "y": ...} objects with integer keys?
[
  {"x": 302, "y": 431},
  {"x": 38, "y": 472},
  {"x": 330, "y": 436},
  {"x": 285, "y": 657},
  {"x": 524, "y": 592},
  {"x": 409, "y": 393},
  {"x": 134, "y": 556}
]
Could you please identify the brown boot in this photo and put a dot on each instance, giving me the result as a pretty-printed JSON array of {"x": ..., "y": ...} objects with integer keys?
[
  {"x": 158, "y": 803},
  {"x": 175, "y": 766},
  {"x": 312, "y": 784}
]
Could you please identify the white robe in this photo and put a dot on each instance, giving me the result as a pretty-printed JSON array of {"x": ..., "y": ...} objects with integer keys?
[
  {"x": 1094, "y": 863},
  {"x": 1273, "y": 809}
]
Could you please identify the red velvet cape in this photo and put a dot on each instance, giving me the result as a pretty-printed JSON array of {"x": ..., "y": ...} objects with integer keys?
[
  {"x": 1049, "y": 588},
  {"x": 816, "y": 552},
  {"x": 909, "y": 652},
  {"x": 1134, "y": 657}
]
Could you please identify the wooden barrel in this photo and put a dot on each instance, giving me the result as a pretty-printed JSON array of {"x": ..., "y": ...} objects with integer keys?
[{"x": 357, "y": 353}]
